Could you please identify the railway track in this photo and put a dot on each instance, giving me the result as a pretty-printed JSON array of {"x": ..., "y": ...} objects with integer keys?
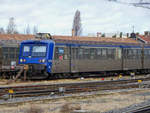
[
  {"x": 67, "y": 88},
  {"x": 144, "y": 109}
]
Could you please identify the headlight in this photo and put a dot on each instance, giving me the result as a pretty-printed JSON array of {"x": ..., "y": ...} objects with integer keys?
[
  {"x": 43, "y": 60},
  {"x": 24, "y": 60},
  {"x": 21, "y": 60}
]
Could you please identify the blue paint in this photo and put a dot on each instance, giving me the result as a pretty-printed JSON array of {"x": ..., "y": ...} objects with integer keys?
[
  {"x": 146, "y": 46},
  {"x": 29, "y": 59}
]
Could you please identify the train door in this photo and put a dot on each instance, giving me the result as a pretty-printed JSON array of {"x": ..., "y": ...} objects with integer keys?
[
  {"x": 132, "y": 58},
  {"x": 146, "y": 58},
  {"x": 61, "y": 60},
  {"x": 74, "y": 62}
]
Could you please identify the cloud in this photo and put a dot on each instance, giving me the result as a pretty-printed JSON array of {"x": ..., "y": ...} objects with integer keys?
[{"x": 56, "y": 16}]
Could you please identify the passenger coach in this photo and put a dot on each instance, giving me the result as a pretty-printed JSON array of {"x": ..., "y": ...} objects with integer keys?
[
  {"x": 78, "y": 55},
  {"x": 9, "y": 52}
]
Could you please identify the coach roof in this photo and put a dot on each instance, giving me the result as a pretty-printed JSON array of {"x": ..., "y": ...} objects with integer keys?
[{"x": 96, "y": 39}]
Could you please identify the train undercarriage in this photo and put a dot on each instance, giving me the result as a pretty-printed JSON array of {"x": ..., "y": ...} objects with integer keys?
[
  {"x": 38, "y": 72},
  {"x": 42, "y": 75}
]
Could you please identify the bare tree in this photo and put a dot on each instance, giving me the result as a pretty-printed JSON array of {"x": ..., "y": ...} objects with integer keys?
[
  {"x": 27, "y": 31},
  {"x": 77, "y": 28},
  {"x": 35, "y": 30},
  {"x": 2, "y": 31},
  {"x": 11, "y": 28}
]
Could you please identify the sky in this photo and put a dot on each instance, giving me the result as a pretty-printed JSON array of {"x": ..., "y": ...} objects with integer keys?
[{"x": 56, "y": 16}]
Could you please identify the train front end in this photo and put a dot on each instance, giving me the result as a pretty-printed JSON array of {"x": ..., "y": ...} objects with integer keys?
[{"x": 36, "y": 56}]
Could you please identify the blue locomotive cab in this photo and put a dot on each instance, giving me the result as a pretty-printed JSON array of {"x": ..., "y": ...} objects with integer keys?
[{"x": 37, "y": 55}]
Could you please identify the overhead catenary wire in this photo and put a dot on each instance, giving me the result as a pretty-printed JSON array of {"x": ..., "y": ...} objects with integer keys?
[{"x": 139, "y": 3}]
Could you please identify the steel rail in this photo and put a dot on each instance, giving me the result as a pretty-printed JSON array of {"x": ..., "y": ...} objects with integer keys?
[
  {"x": 79, "y": 83},
  {"x": 68, "y": 88}
]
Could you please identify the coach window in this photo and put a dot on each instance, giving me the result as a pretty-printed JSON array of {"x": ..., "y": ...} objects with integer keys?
[
  {"x": 119, "y": 53},
  {"x": 134, "y": 56},
  {"x": 104, "y": 53},
  {"x": 99, "y": 53},
  {"x": 125, "y": 53},
  {"x": 12, "y": 56},
  {"x": 80, "y": 53},
  {"x": 149, "y": 53},
  {"x": 113, "y": 53},
  {"x": 86, "y": 53},
  {"x": 12, "y": 52},
  {"x": 139, "y": 53},
  {"x": 5, "y": 49},
  {"x": 5, "y": 53},
  {"x": 26, "y": 50},
  {"x": 146, "y": 53},
  {"x": 17, "y": 52},
  {"x": 39, "y": 51},
  {"x": 12, "y": 49},
  {"x": 93, "y": 53},
  {"x": 59, "y": 53},
  {"x": 56, "y": 53},
  {"x": 66, "y": 51},
  {"x": 74, "y": 53},
  {"x": 110, "y": 53},
  {"x": 129, "y": 54}
]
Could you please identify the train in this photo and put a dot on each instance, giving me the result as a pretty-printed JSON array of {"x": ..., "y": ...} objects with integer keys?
[
  {"x": 9, "y": 56},
  {"x": 82, "y": 56}
]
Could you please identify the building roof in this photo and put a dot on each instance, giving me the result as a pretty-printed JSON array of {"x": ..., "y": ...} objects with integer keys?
[
  {"x": 18, "y": 37},
  {"x": 21, "y": 37},
  {"x": 144, "y": 38}
]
